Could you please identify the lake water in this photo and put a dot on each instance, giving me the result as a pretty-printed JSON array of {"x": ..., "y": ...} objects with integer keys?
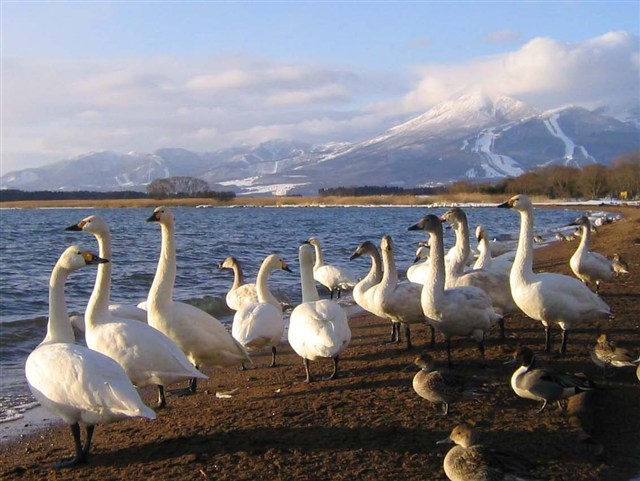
[{"x": 32, "y": 240}]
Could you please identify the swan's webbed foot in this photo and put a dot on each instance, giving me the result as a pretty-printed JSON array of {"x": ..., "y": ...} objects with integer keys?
[{"x": 82, "y": 452}]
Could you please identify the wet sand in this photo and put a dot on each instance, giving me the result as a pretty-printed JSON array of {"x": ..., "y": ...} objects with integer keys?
[{"x": 369, "y": 424}]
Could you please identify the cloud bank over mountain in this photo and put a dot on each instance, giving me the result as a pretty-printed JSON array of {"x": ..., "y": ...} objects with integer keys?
[{"x": 57, "y": 108}]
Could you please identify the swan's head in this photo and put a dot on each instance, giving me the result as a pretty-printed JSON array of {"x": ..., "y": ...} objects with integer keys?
[
  {"x": 94, "y": 224},
  {"x": 163, "y": 215},
  {"x": 229, "y": 263},
  {"x": 455, "y": 216},
  {"x": 422, "y": 252},
  {"x": 462, "y": 435},
  {"x": 430, "y": 223},
  {"x": 365, "y": 248},
  {"x": 313, "y": 241},
  {"x": 386, "y": 244},
  {"x": 582, "y": 221},
  {"x": 306, "y": 254},
  {"x": 425, "y": 362},
  {"x": 480, "y": 234},
  {"x": 74, "y": 258},
  {"x": 519, "y": 202},
  {"x": 275, "y": 262}
]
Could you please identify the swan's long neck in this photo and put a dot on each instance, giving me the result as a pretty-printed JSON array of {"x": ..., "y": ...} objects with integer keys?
[
  {"x": 59, "y": 327},
  {"x": 238, "y": 277},
  {"x": 462, "y": 248},
  {"x": 375, "y": 273},
  {"x": 262, "y": 286},
  {"x": 484, "y": 257},
  {"x": 309, "y": 291},
  {"x": 162, "y": 287},
  {"x": 319, "y": 256},
  {"x": 586, "y": 237},
  {"x": 433, "y": 288},
  {"x": 390, "y": 272},
  {"x": 98, "y": 306},
  {"x": 523, "y": 263}
]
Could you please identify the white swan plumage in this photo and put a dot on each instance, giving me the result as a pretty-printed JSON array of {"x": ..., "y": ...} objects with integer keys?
[
  {"x": 72, "y": 381},
  {"x": 500, "y": 264},
  {"x": 548, "y": 297},
  {"x": 241, "y": 292},
  {"x": 589, "y": 266},
  {"x": 417, "y": 271},
  {"x": 459, "y": 311},
  {"x": 317, "y": 328},
  {"x": 128, "y": 311},
  {"x": 200, "y": 336},
  {"x": 260, "y": 324},
  {"x": 363, "y": 290},
  {"x": 148, "y": 356},
  {"x": 334, "y": 278}
]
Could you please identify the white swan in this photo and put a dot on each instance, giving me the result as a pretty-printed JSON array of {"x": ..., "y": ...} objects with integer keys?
[
  {"x": 72, "y": 381},
  {"x": 459, "y": 311},
  {"x": 459, "y": 255},
  {"x": 148, "y": 356},
  {"x": 417, "y": 271},
  {"x": 589, "y": 266},
  {"x": 548, "y": 297},
  {"x": 486, "y": 260},
  {"x": 400, "y": 302},
  {"x": 260, "y": 324},
  {"x": 200, "y": 336},
  {"x": 317, "y": 328},
  {"x": 363, "y": 290},
  {"x": 495, "y": 284},
  {"x": 334, "y": 278},
  {"x": 241, "y": 293},
  {"x": 128, "y": 311}
]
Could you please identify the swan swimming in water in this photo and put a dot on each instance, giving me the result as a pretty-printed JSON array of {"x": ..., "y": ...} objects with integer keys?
[
  {"x": 260, "y": 324},
  {"x": 72, "y": 381},
  {"x": 148, "y": 356},
  {"x": 200, "y": 336},
  {"x": 334, "y": 278},
  {"x": 548, "y": 297},
  {"x": 317, "y": 328}
]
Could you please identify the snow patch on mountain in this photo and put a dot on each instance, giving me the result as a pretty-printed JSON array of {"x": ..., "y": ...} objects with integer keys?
[{"x": 569, "y": 146}]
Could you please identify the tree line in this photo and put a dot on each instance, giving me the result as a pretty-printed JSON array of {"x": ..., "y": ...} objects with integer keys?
[{"x": 620, "y": 180}]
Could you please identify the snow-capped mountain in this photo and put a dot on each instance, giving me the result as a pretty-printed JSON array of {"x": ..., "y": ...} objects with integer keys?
[{"x": 475, "y": 136}]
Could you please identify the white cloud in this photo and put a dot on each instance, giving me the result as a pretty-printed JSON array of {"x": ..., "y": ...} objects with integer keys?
[{"x": 55, "y": 108}]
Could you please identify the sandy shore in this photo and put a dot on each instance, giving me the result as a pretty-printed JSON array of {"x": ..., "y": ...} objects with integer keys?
[{"x": 369, "y": 424}]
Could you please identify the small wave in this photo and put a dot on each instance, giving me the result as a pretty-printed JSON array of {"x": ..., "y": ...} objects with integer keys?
[{"x": 17, "y": 412}]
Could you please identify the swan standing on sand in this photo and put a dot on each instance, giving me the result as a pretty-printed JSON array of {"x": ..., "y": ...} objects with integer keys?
[
  {"x": 317, "y": 328},
  {"x": 399, "y": 302},
  {"x": 589, "y": 266},
  {"x": 544, "y": 385},
  {"x": 148, "y": 356},
  {"x": 548, "y": 297},
  {"x": 72, "y": 381},
  {"x": 104, "y": 242},
  {"x": 363, "y": 291},
  {"x": 241, "y": 293},
  {"x": 200, "y": 336},
  {"x": 334, "y": 278},
  {"x": 260, "y": 324},
  {"x": 459, "y": 311}
]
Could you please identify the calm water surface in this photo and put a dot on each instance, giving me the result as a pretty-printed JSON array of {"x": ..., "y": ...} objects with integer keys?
[{"x": 32, "y": 240}]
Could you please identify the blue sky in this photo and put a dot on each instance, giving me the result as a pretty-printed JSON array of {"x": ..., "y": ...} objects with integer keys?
[{"x": 86, "y": 76}]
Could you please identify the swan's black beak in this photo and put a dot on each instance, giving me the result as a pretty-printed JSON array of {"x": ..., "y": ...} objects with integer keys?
[
  {"x": 74, "y": 228},
  {"x": 155, "y": 217},
  {"x": 417, "y": 226},
  {"x": 90, "y": 258},
  {"x": 504, "y": 205},
  {"x": 355, "y": 255}
]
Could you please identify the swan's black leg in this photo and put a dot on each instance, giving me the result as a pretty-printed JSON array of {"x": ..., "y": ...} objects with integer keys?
[
  {"x": 305, "y": 361},
  {"x": 162, "y": 402},
  {"x": 448, "y": 342},
  {"x": 407, "y": 333},
  {"x": 547, "y": 338},
  {"x": 273, "y": 356},
  {"x": 79, "y": 456},
  {"x": 432, "y": 343},
  {"x": 501, "y": 324},
  {"x": 335, "y": 368},
  {"x": 563, "y": 347},
  {"x": 87, "y": 442}
]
